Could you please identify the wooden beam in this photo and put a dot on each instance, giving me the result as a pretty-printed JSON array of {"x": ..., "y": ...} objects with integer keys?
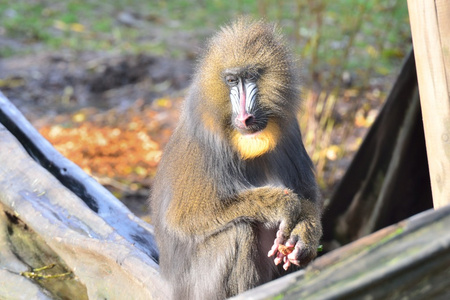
[{"x": 430, "y": 26}]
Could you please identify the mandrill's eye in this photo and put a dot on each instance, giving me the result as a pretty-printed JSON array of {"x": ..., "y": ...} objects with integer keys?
[
  {"x": 231, "y": 80},
  {"x": 250, "y": 77}
]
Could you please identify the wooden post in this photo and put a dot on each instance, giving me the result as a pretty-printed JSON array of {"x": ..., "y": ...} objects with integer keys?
[{"x": 430, "y": 27}]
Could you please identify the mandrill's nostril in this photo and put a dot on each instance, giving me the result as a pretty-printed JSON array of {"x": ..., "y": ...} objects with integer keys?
[
  {"x": 245, "y": 121},
  {"x": 249, "y": 121}
]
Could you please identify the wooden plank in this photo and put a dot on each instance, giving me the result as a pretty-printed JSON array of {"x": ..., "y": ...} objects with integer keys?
[
  {"x": 443, "y": 17},
  {"x": 430, "y": 26}
]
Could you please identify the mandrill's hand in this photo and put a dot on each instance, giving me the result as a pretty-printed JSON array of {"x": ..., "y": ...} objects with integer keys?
[{"x": 301, "y": 246}]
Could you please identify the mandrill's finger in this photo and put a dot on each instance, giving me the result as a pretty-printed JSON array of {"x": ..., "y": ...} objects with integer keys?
[
  {"x": 284, "y": 231},
  {"x": 287, "y": 264},
  {"x": 273, "y": 251},
  {"x": 280, "y": 239},
  {"x": 293, "y": 257},
  {"x": 279, "y": 259},
  {"x": 274, "y": 248}
]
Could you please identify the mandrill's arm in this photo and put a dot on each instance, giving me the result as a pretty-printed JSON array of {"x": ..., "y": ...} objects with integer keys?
[
  {"x": 299, "y": 229},
  {"x": 204, "y": 216}
]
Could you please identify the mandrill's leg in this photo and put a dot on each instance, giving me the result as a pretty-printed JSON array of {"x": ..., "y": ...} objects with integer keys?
[{"x": 225, "y": 264}]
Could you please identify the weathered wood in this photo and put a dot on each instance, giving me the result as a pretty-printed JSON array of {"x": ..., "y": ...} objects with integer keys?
[
  {"x": 388, "y": 178},
  {"x": 409, "y": 260},
  {"x": 430, "y": 27},
  {"x": 98, "y": 198},
  {"x": 85, "y": 253}
]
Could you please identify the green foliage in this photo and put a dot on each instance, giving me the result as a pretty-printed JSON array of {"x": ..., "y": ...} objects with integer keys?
[{"x": 21, "y": 20}]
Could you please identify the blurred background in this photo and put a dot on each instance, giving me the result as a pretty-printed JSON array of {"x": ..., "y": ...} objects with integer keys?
[{"x": 103, "y": 80}]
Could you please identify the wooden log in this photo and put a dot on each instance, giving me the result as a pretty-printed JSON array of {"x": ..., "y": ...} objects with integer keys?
[
  {"x": 55, "y": 245},
  {"x": 45, "y": 224},
  {"x": 96, "y": 197},
  {"x": 430, "y": 27}
]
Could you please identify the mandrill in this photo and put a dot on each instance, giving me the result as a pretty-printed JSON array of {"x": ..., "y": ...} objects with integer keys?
[{"x": 235, "y": 203}]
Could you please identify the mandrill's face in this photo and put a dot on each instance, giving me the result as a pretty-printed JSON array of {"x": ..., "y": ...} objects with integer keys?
[
  {"x": 247, "y": 116},
  {"x": 248, "y": 87},
  {"x": 254, "y": 133}
]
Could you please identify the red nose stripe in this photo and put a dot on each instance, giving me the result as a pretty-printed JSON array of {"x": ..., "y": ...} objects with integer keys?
[{"x": 243, "y": 115}]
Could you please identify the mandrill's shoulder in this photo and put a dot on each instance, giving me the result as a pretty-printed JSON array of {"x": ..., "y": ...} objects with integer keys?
[{"x": 182, "y": 148}]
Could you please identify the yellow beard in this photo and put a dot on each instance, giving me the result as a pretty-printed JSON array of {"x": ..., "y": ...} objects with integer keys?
[{"x": 256, "y": 145}]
